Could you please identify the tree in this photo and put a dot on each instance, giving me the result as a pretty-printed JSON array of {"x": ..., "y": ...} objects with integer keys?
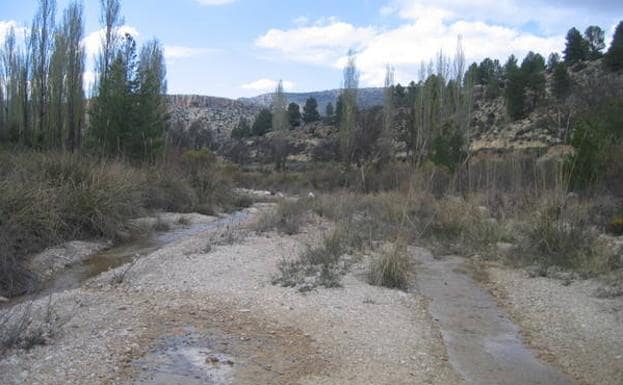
[
  {"x": 329, "y": 110},
  {"x": 552, "y": 61},
  {"x": 41, "y": 43},
  {"x": 263, "y": 122},
  {"x": 348, "y": 108},
  {"x": 614, "y": 57},
  {"x": 150, "y": 103},
  {"x": 561, "y": 82},
  {"x": 576, "y": 48},
  {"x": 73, "y": 27},
  {"x": 279, "y": 109},
  {"x": 532, "y": 73},
  {"x": 294, "y": 114},
  {"x": 102, "y": 105},
  {"x": 310, "y": 111},
  {"x": 515, "y": 89},
  {"x": 242, "y": 129},
  {"x": 594, "y": 37}
]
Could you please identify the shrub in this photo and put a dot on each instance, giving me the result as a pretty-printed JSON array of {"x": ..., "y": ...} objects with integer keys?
[
  {"x": 286, "y": 218},
  {"x": 392, "y": 268}
]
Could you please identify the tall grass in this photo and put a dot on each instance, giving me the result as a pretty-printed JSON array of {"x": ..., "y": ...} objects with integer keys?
[{"x": 46, "y": 198}]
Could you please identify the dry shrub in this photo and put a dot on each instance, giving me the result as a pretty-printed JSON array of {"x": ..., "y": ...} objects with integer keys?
[
  {"x": 286, "y": 218},
  {"x": 392, "y": 268}
]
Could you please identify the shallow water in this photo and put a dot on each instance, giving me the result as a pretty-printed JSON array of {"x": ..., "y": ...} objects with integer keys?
[
  {"x": 483, "y": 344},
  {"x": 74, "y": 275},
  {"x": 185, "y": 359}
]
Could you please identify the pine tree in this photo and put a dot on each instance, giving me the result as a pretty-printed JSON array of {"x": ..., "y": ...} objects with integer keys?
[
  {"x": 594, "y": 37},
  {"x": 576, "y": 48},
  {"x": 614, "y": 57},
  {"x": 263, "y": 122},
  {"x": 515, "y": 89},
  {"x": 561, "y": 82},
  {"x": 294, "y": 114},
  {"x": 310, "y": 111},
  {"x": 329, "y": 110}
]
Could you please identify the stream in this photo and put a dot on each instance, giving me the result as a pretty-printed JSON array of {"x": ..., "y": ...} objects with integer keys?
[
  {"x": 483, "y": 344},
  {"x": 74, "y": 275}
]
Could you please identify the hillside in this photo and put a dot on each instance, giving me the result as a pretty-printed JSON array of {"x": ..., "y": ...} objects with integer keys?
[{"x": 368, "y": 97}]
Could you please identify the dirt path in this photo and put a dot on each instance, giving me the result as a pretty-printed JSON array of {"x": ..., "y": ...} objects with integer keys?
[{"x": 192, "y": 314}]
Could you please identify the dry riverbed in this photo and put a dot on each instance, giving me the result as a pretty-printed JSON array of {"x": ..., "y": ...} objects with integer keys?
[
  {"x": 210, "y": 315},
  {"x": 202, "y": 310}
]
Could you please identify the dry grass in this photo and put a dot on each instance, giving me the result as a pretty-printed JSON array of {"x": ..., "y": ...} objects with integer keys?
[
  {"x": 47, "y": 198},
  {"x": 392, "y": 268}
]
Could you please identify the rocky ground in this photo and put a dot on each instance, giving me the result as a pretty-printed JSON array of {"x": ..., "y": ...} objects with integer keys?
[
  {"x": 205, "y": 307},
  {"x": 565, "y": 322},
  {"x": 358, "y": 334}
]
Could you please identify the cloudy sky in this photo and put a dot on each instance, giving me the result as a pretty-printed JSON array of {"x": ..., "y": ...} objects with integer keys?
[{"x": 236, "y": 48}]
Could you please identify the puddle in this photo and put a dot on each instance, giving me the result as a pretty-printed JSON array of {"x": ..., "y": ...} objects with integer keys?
[
  {"x": 483, "y": 344},
  {"x": 186, "y": 359}
]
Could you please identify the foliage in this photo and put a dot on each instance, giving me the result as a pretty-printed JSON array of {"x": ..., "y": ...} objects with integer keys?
[
  {"x": 596, "y": 137},
  {"x": 594, "y": 37},
  {"x": 279, "y": 111},
  {"x": 561, "y": 82},
  {"x": 330, "y": 110},
  {"x": 310, "y": 111},
  {"x": 242, "y": 129},
  {"x": 448, "y": 148},
  {"x": 614, "y": 57},
  {"x": 576, "y": 48},
  {"x": 263, "y": 122},
  {"x": 294, "y": 114},
  {"x": 392, "y": 268}
]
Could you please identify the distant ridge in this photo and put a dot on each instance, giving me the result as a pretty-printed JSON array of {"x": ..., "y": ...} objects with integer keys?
[{"x": 367, "y": 97}]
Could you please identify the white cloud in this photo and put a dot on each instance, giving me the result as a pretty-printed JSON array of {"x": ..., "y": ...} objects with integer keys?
[
  {"x": 322, "y": 43},
  {"x": 214, "y": 2},
  {"x": 266, "y": 85},
  {"x": 405, "y": 46},
  {"x": 93, "y": 41},
  {"x": 172, "y": 52},
  {"x": 5, "y": 27}
]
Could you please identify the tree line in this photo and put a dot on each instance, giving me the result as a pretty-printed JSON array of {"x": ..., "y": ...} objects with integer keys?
[{"x": 42, "y": 99}]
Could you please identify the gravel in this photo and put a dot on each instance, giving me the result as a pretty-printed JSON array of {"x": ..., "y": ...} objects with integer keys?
[
  {"x": 566, "y": 323},
  {"x": 358, "y": 334}
]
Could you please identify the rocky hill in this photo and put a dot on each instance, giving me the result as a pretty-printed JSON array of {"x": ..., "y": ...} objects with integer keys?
[
  {"x": 368, "y": 97},
  {"x": 212, "y": 115}
]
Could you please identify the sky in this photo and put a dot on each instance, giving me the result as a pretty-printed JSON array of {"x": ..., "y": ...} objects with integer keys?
[{"x": 235, "y": 48}]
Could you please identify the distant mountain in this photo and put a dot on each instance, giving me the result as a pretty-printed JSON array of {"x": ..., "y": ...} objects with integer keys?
[{"x": 368, "y": 97}]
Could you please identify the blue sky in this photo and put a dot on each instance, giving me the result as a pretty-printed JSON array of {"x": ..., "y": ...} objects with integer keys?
[{"x": 236, "y": 48}]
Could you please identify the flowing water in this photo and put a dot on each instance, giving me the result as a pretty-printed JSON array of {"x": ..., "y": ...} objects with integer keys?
[{"x": 483, "y": 344}]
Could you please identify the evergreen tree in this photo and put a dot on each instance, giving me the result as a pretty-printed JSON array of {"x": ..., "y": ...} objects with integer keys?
[
  {"x": 329, "y": 110},
  {"x": 294, "y": 114},
  {"x": 614, "y": 57},
  {"x": 594, "y": 37},
  {"x": 263, "y": 122},
  {"x": 576, "y": 48},
  {"x": 561, "y": 82},
  {"x": 532, "y": 73},
  {"x": 150, "y": 103},
  {"x": 310, "y": 111},
  {"x": 552, "y": 61},
  {"x": 242, "y": 130},
  {"x": 515, "y": 89}
]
